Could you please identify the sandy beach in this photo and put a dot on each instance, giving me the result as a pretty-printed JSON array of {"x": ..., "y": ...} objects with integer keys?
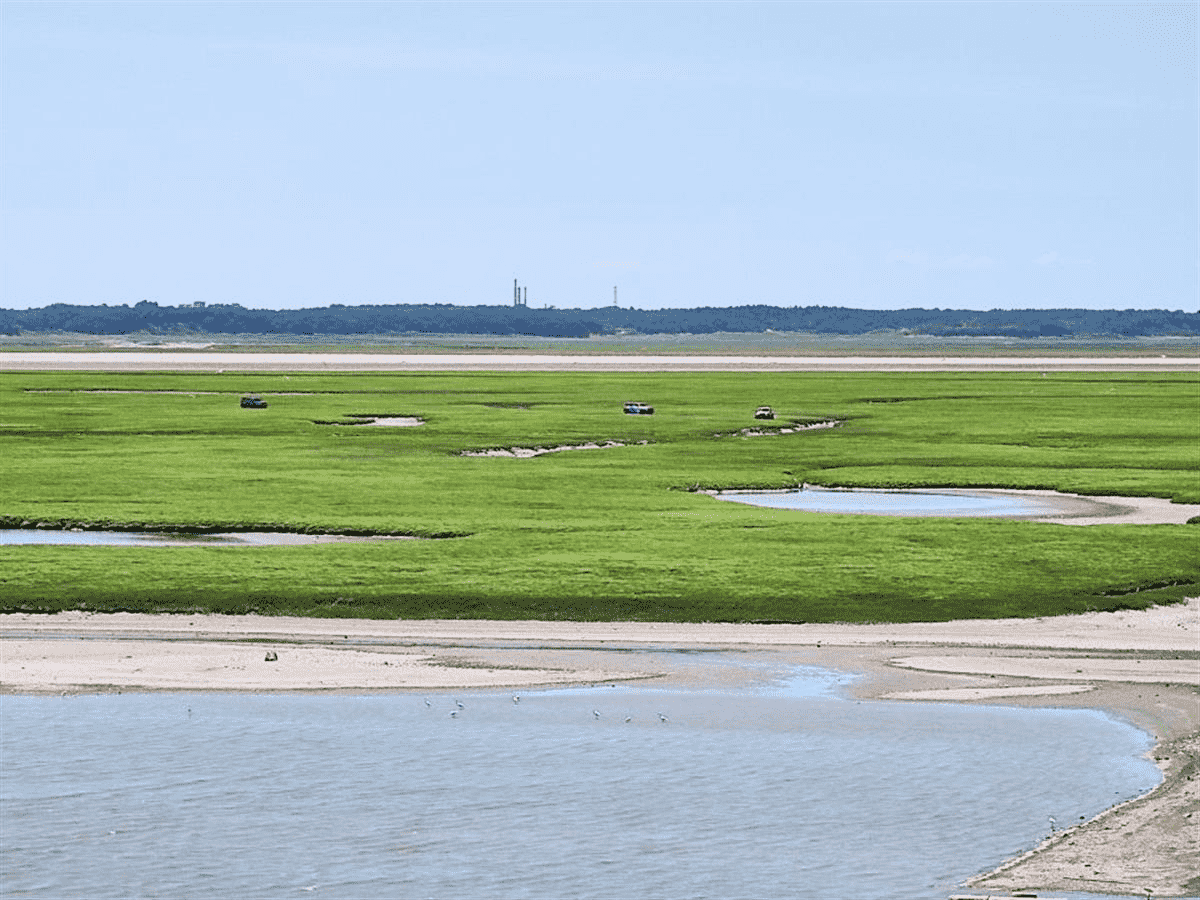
[
  {"x": 1142, "y": 666},
  {"x": 222, "y": 361}
]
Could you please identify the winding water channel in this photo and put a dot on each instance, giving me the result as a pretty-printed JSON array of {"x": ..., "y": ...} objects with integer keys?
[{"x": 65, "y": 537}]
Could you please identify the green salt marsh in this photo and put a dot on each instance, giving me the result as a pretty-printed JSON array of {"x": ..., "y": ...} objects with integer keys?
[{"x": 619, "y": 532}]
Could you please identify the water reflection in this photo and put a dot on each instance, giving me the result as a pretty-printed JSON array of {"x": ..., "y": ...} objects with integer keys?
[
  {"x": 16, "y": 536},
  {"x": 27, "y": 536},
  {"x": 939, "y": 502},
  {"x": 668, "y": 794}
]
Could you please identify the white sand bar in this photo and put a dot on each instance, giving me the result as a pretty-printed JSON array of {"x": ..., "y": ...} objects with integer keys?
[
  {"x": 243, "y": 666},
  {"x": 391, "y": 422},
  {"x": 219, "y": 361},
  {"x": 1161, "y": 671},
  {"x": 977, "y": 694},
  {"x": 1173, "y": 628}
]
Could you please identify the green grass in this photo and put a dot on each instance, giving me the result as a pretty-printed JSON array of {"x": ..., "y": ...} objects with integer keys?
[{"x": 603, "y": 534}]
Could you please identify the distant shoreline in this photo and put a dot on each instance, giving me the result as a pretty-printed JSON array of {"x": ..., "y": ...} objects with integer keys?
[
  {"x": 726, "y": 343},
  {"x": 519, "y": 320},
  {"x": 223, "y": 361}
]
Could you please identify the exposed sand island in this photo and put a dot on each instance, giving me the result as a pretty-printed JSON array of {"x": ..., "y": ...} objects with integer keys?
[{"x": 1143, "y": 666}]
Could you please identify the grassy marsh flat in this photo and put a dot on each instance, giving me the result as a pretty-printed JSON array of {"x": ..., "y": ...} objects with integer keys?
[{"x": 619, "y": 533}]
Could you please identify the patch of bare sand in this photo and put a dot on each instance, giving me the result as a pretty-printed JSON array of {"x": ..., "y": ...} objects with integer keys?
[
  {"x": 1180, "y": 670},
  {"x": 1090, "y": 661},
  {"x": 394, "y": 422},
  {"x": 1112, "y": 510},
  {"x": 383, "y": 422},
  {"x": 530, "y": 452},
  {"x": 253, "y": 665}
]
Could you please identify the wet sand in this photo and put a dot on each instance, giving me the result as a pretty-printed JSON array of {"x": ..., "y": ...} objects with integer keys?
[
  {"x": 222, "y": 361},
  {"x": 1142, "y": 666}
]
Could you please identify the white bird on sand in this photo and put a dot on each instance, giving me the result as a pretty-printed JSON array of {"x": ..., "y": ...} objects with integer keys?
[
  {"x": 427, "y": 703},
  {"x": 596, "y": 713},
  {"x": 516, "y": 698},
  {"x": 629, "y": 718},
  {"x": 458, "y": 703},
  {"x": 454, "y": 713},
  {"x": 661, "y": 717}
]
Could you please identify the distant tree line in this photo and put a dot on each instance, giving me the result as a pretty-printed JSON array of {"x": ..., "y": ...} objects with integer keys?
[{"x": 436, "y": 318}]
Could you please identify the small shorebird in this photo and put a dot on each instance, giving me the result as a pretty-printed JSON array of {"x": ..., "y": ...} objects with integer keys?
[
  {"x": 596, "y": 713},
  {"x": 458, "y": 703},
  {"x": 516, "y": 698},
  {"x": 661, "y": 717}
]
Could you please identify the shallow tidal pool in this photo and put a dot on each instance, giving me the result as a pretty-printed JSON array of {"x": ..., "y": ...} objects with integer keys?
[
  {"x": 916, "y": 502},
  {"x": 789, "y": 790}
]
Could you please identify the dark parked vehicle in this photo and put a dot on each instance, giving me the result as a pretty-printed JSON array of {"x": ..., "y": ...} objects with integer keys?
[
  {"x": 639, "y": 409},
  {"x": 253, "y": 401}
]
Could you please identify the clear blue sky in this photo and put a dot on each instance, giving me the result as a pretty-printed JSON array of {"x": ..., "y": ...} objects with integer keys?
[{"x": 874, "y": 155}]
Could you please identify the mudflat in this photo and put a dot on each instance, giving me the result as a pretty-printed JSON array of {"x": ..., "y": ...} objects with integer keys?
[{"x": 1143, "y": 666}]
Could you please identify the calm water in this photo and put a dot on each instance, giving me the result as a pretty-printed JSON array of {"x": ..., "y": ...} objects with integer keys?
[
  {"x": 894, "y": 503},
  {"x": 17, "y": 536},
  {"x": 856, "y": 502},
  {"x": 789, "y": 791},
  {"x": 14, "y": 536}
]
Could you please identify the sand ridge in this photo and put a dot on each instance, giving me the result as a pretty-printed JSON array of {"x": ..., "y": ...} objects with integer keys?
[{"x": 223, "y": 361}]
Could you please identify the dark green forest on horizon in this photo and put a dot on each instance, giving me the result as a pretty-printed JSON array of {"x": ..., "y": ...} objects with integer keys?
[{"x": 433, "y": 318}]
